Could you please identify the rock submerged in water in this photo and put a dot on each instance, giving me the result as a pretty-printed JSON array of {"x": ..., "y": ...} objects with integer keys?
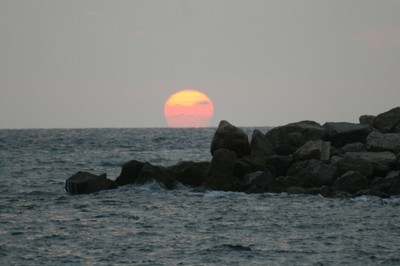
[
  {"x": 85, "y": 183},
  {"x": 334, "y": 160}
]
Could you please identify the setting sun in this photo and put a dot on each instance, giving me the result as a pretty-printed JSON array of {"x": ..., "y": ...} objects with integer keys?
[{"x": 188, "y": 108}]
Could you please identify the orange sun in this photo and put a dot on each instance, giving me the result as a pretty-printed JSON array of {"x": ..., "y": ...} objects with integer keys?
[{"x": 188, "y": 108}]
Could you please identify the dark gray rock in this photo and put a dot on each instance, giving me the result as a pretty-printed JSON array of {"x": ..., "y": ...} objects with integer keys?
[
  {"x": 242, "y": 169},
  {"x": 85, "y": 183},
  {"x": 189, "y": 173},
  {"x": 395, "y": 187},
  {"x": 298, "y": 166},
  {"x": 279, "y": 164},
  {"x": 367, "y": 120},
  {"x": 276, "y": 164},
  {"x": 349, "y": 162},
  {"x": 351, "y": 182},
  {"x": 151, "y": 173},
  {"x": 342, "y": 133},
  {"x": 388, "y": 122},
  {"x": 377, "y": 141},
  {"x": 382, "y": 162},
  {"x": 260, "y": 145},
  {"x": 222, "y": 163},
  {"x": 287, "y": 139},
  {"x": 313, "y": 149},
  {"x": 220, "y": 175},
  {"x": 393, "y": 174},
  {"x": 129, "y": 173},
  {"x": 383, "y": 185},
  {"x": 232, "y": 138},
  {"x": 316, "y": 175},
  {"x": 261, "y": 182},
  {"x": 353, "y": 147}
]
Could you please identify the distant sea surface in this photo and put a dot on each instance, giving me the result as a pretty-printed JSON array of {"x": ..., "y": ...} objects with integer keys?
[{"x": 147, "y": 225}]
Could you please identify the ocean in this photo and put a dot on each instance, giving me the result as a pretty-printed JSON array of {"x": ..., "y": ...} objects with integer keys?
[{"x": 147, "y": 225}]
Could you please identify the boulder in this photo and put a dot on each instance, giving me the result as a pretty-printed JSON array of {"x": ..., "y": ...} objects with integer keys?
[
  {"x": 231, "y": 138},
  {"x": 367, "y": 120},
  {"x": 85, "y": 183},
  {"x": 276, "y": 164},
  {"x": 220, "y": 175},
  {"x": 287, "y": 139},
  {"x": 388, "y": 122},
  {"x": 382, "y": 184},
  {"x": 261, "y": 182},
  {"x": 279, "y": 164},
  {"x": 353, "y": 147},
  {"x": 313, "y": 149},
  {"x": 316, "y": 175},
  {"x": 222, "y": 163},
  {"x": 129, "y": 173},
  {"x": 395, "y": 188},
  {"x": 298, "y": 166},
  {"x": 351, "y": 182},
  {"x": 350, "y": 162},
  {"x": 260, "y": 145},
  {"x": 342, "y": 133},
  {"x": 382, "y": 162},
  {"x": 150, "y": 173},
  {"x": 377, "y": 141},
  {"x": 242, "y": 168},
  {"x": 189, "y": 173}
]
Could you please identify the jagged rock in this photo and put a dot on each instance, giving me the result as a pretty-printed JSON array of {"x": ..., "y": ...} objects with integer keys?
[
  {"x": 388, "y": 122},
  {"x": 316, "y": 175},
  {"x": 298, "y": 166},
  {"x": 151, "y": 173},
  {"x": 377, "y": 141},
  {"x": 393, "y": 174},
  {"x": 257, "y": 164},
  {"x": 232, "y": 138},
  {"x": 279, "y": 163},
  {"x": 382, "y": 184},
  {"x": 367, "y": 120},
  {"x": 265, "y": 182},
  {"x": 351, "y": 182},
  {"x": 276, "y": 164},
  {"x": 287, "y": 139},
  {"x": 85, "y": 183},
  {"x": 353, "y": 147},
  {"x": 222, "y": 163},
  {"x": 382, "y": 162},
  {"x": 313, "y": 149},
  {"x": 189, "y": 173},
  {"x": 342, "y": 133},
  {"x": 260, "y": 145},
  {"x": 395, "y": 188},
  {"x": 242, "y": 168},
  {"x": 220, "y": 175},
  {"x": 350, "y": 162},
  {"x": 129, "y": 173}
]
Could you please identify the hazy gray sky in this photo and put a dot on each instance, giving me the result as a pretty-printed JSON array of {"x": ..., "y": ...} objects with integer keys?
[{"x": 110, "y": 63}]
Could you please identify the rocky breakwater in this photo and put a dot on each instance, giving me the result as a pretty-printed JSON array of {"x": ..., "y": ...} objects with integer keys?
[{"x": 337, "y": 159}]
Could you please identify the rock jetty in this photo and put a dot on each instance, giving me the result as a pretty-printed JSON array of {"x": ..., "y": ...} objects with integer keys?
[{"x": 337, "y": 159}]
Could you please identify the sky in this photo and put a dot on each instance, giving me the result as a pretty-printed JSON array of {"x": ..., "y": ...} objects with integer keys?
[{"x": 97, "y": 63}]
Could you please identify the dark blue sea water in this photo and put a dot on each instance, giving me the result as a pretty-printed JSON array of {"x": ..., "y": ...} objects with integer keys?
[{"x": 147, "y": 225}]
